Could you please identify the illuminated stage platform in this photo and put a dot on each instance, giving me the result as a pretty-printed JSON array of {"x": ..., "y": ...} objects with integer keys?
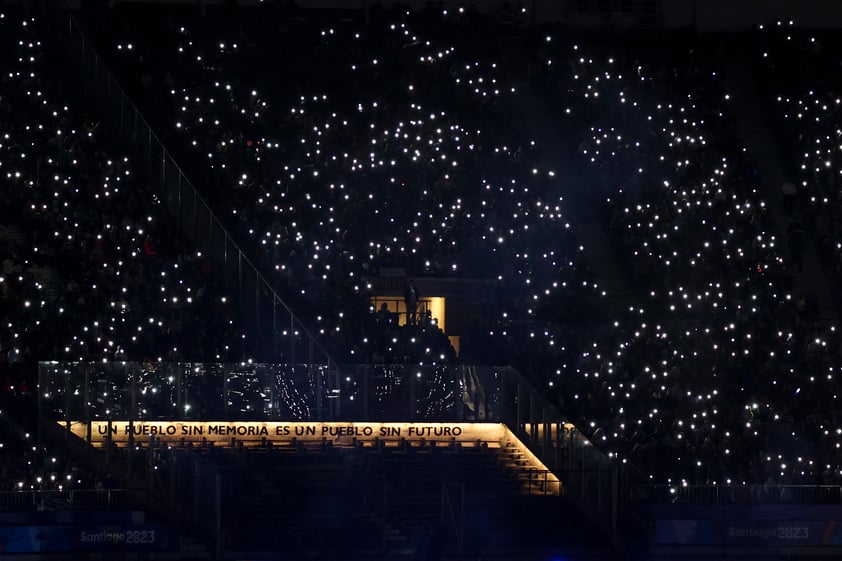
[
  {"x": 253, "y": 434},
  {"x": 474, "y": 452},
  {"x": 261, "y": 433}
]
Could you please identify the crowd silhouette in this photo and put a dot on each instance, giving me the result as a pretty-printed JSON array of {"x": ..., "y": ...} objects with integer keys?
[{"x": 331, "y": 148}]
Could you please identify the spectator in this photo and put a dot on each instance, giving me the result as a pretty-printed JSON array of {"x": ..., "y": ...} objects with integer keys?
[{"x": 411, "y": 296}]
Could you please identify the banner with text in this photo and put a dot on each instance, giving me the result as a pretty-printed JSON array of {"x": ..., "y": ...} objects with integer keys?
[
  {"x": 748, "y": 532},
  {"x": 56, "y": 539},
  {"x": 748, "y": 525},
  {"x": 221, "y": 433}
]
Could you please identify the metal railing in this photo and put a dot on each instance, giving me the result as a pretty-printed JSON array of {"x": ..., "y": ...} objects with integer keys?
[
  {"x": 262, "y": 312},
  {"x": 769, "y": 494},
  {"x": 589, "y": 477},
  {"x": 86, "y": 391},
  {"x": 72, "y": 499},
  {"x": 540, "y": 482}
]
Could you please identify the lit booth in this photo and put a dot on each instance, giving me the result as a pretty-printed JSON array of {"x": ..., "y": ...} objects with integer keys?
[{"x": 452, "y": 305}]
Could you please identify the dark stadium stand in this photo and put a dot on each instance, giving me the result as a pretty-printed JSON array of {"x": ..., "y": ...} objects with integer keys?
[
  {"x": 665, "y": 109},
  {"x": 717, "y": 290},
  {"x": 204, "y": 208},
  {"x": 94, "y": 267},
  {"x": 350, "y": 156}
]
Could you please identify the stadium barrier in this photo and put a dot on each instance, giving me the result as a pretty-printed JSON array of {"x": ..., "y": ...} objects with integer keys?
[{"x": 72, "y": 499}]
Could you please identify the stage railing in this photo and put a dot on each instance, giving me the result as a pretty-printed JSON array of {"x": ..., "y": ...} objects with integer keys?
[
  {"x": 542, "y": 482},
  {"x": 87, "y": 391}
]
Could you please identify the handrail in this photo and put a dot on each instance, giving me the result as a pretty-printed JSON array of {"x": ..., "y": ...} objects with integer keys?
[
  {"x": 731, "y": 494},
  {"x": 72, "y": 499},
  {"x": 449, "y": 512},
  {"x": 62, "y": 9},
  {"x": 539, "y": 482}
]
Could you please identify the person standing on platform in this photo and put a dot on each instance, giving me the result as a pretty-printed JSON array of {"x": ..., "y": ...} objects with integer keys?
[{"x": 411, "y": 296}]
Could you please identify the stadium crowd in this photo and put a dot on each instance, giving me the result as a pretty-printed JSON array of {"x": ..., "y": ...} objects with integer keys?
[
  {"x": 126, "y": 285},
  {"x": 407, "y": 151},
  {"x": 723, "y": 367},
  {"x": 376, "y": 175},
  {"x": 794, "y": 67},
  {"x": 28, "y": 465},
  {"x": 92, "y": 269},
  {"x": 693, "y": 229}
]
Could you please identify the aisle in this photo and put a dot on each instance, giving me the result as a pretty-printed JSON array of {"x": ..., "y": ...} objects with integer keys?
[
  {"x": 763, "y": 147},
  {"x": 584, "y": 194}
]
